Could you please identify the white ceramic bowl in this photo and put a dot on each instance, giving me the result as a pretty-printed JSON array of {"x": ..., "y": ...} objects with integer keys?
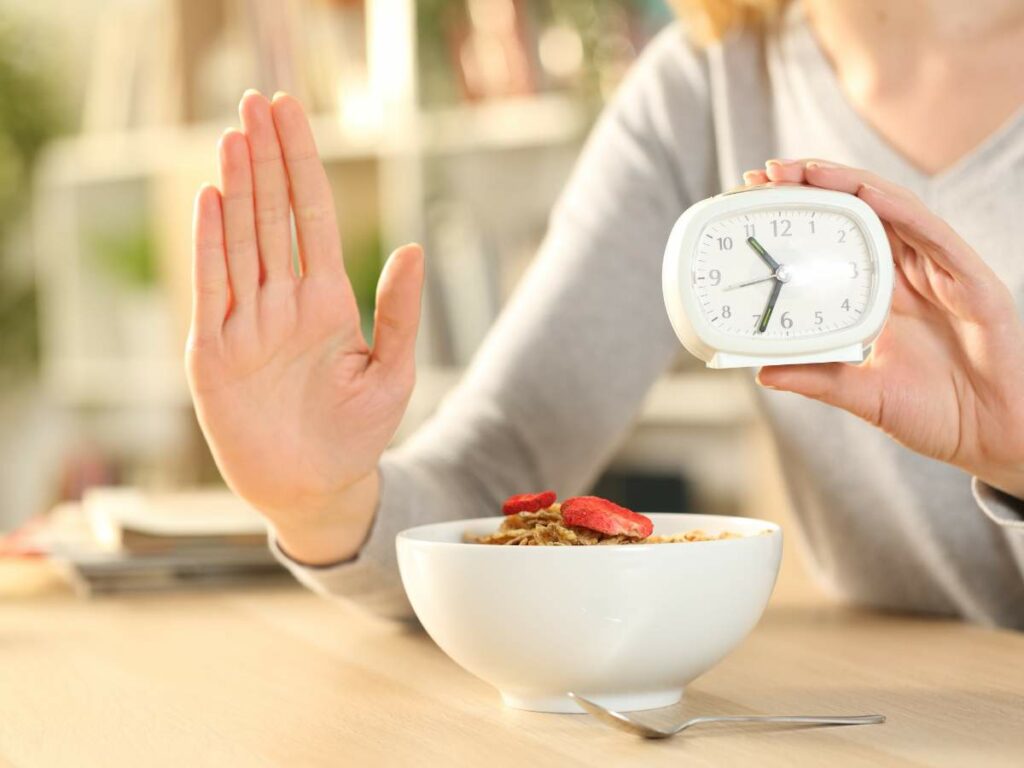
[{"x": 627, "y": 626}]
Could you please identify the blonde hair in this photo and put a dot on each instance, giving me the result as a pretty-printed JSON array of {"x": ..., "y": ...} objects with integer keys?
[{"x": 711, "y": 20}]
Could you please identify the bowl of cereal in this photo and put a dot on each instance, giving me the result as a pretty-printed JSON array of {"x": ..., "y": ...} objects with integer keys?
[{"x": 585, "y": 596}]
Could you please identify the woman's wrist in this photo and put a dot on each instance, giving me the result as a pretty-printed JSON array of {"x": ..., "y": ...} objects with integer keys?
[{"x": 335, "y": 530}]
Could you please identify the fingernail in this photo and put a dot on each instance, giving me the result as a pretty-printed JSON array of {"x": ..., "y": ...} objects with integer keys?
[
  {"x": 250, "y": 92},
  {"x": 779, "y": 161},
  {"x": 279, "y": 95},
  {"x": 821, "y": 164},
  {"x": 873, "y": 190}
]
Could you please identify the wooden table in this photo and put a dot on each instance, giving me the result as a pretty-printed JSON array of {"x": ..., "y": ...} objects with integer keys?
[{"x": 284, "y": 678}]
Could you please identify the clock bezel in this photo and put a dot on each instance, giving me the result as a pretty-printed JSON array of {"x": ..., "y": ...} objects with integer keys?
[{"x": 704, "y": 340}]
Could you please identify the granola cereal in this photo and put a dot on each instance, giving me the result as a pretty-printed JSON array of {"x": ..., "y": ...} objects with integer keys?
[{"x": 547, "y": 527}]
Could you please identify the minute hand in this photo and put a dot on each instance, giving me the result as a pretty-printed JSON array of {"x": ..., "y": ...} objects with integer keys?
[
  {"x": 762, "y": 324},
  {"x": 760, "y": 251}
]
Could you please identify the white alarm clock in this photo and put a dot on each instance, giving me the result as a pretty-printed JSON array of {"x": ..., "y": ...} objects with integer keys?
[{"x": 776, "y": 275}]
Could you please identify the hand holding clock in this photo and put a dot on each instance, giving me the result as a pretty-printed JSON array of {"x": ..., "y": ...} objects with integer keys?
[{"x": 944, "y": 377}]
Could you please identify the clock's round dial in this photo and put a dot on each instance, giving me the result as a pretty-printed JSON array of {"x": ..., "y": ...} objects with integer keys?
[{"x": 783, "y": 272}]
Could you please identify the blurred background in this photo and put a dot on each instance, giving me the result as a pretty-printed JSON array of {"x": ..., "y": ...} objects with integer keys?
[{"x": 450, "y": 122}]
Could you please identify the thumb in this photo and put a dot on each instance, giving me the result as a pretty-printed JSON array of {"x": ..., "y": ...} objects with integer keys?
[
  {"x": 397, "y": 315},
  {"x": 854, "y": 388}
]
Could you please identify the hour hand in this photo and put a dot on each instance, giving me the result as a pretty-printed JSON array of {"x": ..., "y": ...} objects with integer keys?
[{"x": 760, "y": 251}]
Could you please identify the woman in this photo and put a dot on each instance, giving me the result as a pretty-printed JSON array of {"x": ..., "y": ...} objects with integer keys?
[{"x": 879, "y": 458}]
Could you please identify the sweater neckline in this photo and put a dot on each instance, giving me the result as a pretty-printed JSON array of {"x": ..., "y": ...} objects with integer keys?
[{"x": 817, "y": 74}]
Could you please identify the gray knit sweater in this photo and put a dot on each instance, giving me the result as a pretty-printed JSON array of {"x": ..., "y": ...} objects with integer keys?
[{"x": 563, "y": 373}]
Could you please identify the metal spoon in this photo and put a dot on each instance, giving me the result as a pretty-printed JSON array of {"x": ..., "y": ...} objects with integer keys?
[{"x": 624, "y": 722}]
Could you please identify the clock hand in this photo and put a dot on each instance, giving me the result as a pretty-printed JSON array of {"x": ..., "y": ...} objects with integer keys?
[
  {"x": 762, "y": 324},
  {"x": 749, "y": 282},
  {"x": 760, "y": 251}
]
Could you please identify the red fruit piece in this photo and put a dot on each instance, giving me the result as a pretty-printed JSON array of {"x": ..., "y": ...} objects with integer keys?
[
  {"x": 528, "y": 502},
  {"x": 605, "y": 517}
]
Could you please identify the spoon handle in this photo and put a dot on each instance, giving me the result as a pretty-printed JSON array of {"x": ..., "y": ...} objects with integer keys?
[{"x": 808, "y": 719}]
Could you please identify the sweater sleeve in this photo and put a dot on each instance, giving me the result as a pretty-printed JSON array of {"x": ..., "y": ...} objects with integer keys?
[
  {"x": 1006, "y": 512},
  {"x": 1002, "y": 509},
  {"x": 563, "y": 372}
]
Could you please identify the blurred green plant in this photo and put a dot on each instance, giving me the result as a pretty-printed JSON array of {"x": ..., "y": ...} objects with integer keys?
[
  {"x": 434, "y": 22},
  {"x": 364, "y": 260},
  {"x": 31, "y": 113},
  {"x": 128, "y": 256}
]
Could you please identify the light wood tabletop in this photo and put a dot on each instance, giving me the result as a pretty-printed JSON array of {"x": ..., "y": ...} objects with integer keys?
[{"x": 284, "y": 678}]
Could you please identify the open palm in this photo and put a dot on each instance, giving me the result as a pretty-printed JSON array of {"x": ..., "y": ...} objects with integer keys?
[
  {"x": 943, "y": 377},
  {"x": 296, "y": 406}
]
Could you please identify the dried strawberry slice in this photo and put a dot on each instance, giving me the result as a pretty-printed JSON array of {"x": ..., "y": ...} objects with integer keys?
[
  {"x": 605, "y": 517},
  {"x": 528, "y": 502}
]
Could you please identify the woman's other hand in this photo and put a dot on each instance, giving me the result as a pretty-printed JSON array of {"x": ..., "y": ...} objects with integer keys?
[{"x": 296, "y": 406}]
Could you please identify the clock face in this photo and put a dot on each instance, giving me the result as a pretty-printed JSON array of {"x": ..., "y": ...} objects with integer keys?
[{"x": 778, "y": 272}]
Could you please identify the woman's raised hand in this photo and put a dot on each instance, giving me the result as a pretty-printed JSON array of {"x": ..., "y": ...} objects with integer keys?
[
  {"x": 296, "y": 406},
  {"x": 944, "y": 377}
]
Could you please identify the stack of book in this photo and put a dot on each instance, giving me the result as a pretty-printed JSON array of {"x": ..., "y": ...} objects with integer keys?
[{"x": 127, "y": 540}]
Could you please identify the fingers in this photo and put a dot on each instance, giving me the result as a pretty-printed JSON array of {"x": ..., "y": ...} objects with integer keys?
[
  {"x": 398, "y": 306},
  {"x": 909, "y": 281},
  {"x": 210, "y": 293},
  {"x": 270, "y": 186},
  {"x": 927, "y": 232},
  {"x": 311, "y": 197},
  {"x": 785, "y": 171},
  {"x": 239, "y": 223},
  {"x": 896, "y": 205},
  {"x": 757, "y": 176},
  {"x": 853, "y": 388}
]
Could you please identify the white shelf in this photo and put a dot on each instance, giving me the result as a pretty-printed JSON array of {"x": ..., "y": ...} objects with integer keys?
[
  {"x": 500, "y": 125},
  {"x": 132, "y": 155}
]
